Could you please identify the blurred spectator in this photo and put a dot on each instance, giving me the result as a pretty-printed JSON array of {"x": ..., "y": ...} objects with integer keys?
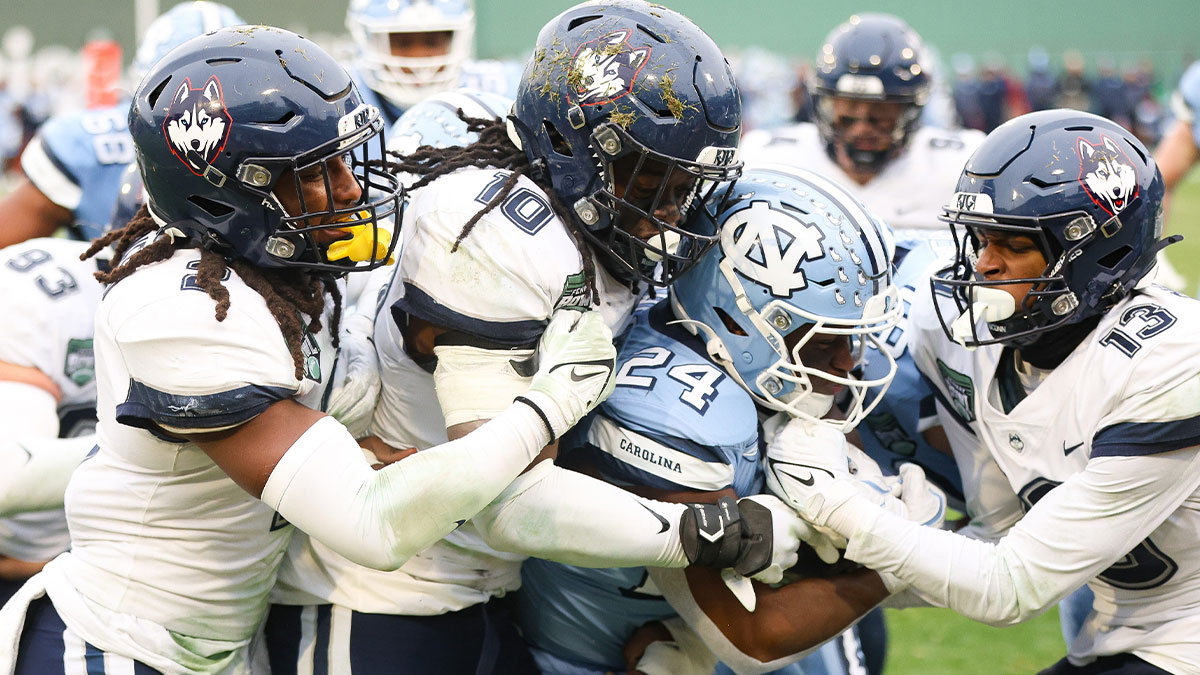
[
  {"x": 1039, "y": 83},
  {"x": 993, "y": 94},
  {"x": 1108, "y": 95},
  {"x": 1074, "y": 90},
  {"x": 966, "y": 92}
]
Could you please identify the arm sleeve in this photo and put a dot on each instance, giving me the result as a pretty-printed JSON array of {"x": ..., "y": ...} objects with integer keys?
[
  {"x": 381, "y": 518},
  {"x": 1075, "y": 532},
  {"x": 565, "y": 516},
  {"x": 34, "y": 471}
]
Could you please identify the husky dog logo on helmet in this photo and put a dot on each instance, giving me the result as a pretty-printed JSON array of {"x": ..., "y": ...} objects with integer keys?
[
  {"x": 767, "y": 253},
  {"x": 604, "y": 69},
  {"x": 197, "y": 124},
  {"x": 1107, "y": 174}
]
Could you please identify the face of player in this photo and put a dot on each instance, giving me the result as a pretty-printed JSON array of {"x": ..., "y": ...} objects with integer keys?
[
  {"x": 863, "y": 125},
  {"x": 827, "y": 353},
  {"x": 420, "y": 45},
  {"x": 1004, "y": 256},
  {"x": 313, "y": 197},
  {"x": 642, "y": 190}
]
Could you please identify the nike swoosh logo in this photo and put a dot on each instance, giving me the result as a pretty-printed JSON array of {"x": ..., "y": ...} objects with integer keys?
[
  {"x": 661, "y": 520},
  {"x": 608, "y": 363},
  {"x": 807, "y": 481},
  {"x": 28, "y": 454},
  {"x": 576, "y": 377},
  {"x": 1073, "y": 448}
]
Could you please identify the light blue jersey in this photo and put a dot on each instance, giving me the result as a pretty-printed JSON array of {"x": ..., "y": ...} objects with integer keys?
[
  {"x": 891, "y": 434},
  {"x": 674, "y": 421},
  {"x": 1186, "y": 101},
  {"x": 76, "y": 160}
]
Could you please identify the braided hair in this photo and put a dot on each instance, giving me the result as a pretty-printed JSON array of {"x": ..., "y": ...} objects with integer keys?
[
  {"x": 289, "y": 293},
  {"x": 492, "y": 149}
]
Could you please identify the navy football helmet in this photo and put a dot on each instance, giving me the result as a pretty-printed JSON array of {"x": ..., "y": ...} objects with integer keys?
[
  {"x": 870, "y": 57},
  {"x": 222, "y": 119},
  {"x": 1085, "y": 191},
  {"x": 176, "y": 26},
  {"x": 796, "y": 251},
  {"x": 619, "y": 89}
]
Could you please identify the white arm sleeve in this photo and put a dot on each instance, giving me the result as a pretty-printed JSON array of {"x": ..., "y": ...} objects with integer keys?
[
  {"x": 561, "y": 515},
  {"x": 34, "y": 471},
  {"x": 1076, "y": 531},
  {"x": 381, "y": 518},
  {"x": 27, "y": 410}
]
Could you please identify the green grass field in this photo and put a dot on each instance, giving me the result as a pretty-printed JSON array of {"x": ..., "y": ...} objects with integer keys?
[{"x": 938, "y": 641}]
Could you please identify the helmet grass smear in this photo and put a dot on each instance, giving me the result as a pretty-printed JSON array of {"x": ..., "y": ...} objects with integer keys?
[
  {"x": 247, "y": 137},
  {"x": 633, "y": 114},
  {"x": 802, "y": 269}
]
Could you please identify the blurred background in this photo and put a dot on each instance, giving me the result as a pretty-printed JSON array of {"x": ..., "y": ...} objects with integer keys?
[{"x": 994, "y": 60}]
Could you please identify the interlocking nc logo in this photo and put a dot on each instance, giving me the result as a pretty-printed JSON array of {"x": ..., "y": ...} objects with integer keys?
[{"x": 768, "y": 246}]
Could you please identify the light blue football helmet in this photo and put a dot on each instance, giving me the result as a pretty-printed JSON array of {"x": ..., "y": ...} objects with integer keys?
[
  {"x": 176, "y": 26},
  {"x": 434, "y": 121},
  {"x": 795, "y": 250},
  {"x": 406, "y": 79}
]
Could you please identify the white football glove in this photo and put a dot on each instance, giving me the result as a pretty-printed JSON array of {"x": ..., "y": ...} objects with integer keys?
[
  {"x": 576, "y": 362},
  {"x": 924, "y": 502},
  {"x": 802, "y": 458},
  {"x": 908, "y": 495},
  {"x": 353, "y": 402}
]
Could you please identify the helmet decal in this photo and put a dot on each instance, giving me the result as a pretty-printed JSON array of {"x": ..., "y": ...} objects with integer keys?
[
  {"x": 770, "y": 246},
  {"x": 604, "y": 69},
  {"x": 1107, "y": 174},
  {"x": 197, "y": 124}
]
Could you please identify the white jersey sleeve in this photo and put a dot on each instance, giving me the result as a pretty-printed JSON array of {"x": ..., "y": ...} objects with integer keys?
[
  {"x": 502, "y": 281},
  {"x": 170, "y": 324}
]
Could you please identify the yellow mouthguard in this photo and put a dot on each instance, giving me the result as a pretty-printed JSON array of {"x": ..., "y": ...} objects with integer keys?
[{"x": 358, "y": 246}]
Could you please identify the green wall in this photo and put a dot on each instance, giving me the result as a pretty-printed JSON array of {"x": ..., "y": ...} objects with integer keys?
[{"x": 1167, "y": 31}]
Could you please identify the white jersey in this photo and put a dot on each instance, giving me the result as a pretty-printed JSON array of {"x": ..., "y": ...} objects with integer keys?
[
  {"x": 1108, "y": 447},
  {"x": 509, "y": 274},
  {"x": 50, "y": 297},
  {"x": 171, "y": 561},
  {"x": 908, "y": 194}
]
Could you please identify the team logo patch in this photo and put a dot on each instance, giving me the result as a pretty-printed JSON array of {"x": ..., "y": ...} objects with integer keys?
[
  {"x": 311, "y": 351},
  {"x": 603, "y": 70},
  {"x": 80, "y": 366},
  {"x": 575, "y": 293},
  {"x": 959, "y": 390},
  {"x": 769, "y": 247},
  {"x": 1107, "y": 174},
  {"x": 197, "y": 124}
]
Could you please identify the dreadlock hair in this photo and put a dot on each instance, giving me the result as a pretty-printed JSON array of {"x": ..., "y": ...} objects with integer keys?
[
  {"x": 289, "y": 293},
  {"x": 493, "y": 149}
]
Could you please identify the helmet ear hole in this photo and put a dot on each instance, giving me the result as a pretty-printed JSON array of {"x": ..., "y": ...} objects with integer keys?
[
  {"x": 556, "y": 140},
  {"x": 213, "y": 208},
  {"x": 730, "y": 324},
  {"x": 1113, "y": 259}
]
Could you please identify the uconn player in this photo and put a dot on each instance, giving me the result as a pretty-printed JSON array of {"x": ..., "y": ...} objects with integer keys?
[
  {"x": 214, "y": 343},
  {"x": 871, "y": 81},
  {"x": 1078, "y": 377},
  {"x": 498, "y": 235},
  {"x": 769, "y": 323},
  {"x": 73, "y": 164},
  {"x": 48, "y": 385}
]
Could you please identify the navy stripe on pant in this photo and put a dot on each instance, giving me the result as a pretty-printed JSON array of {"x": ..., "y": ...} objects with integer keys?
[
  {"x": 48, "y": 647},
  {"x": 315, "y": 640}
]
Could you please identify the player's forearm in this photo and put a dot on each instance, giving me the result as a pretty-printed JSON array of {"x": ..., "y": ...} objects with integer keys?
[
  {"x": 381, "y": 518},
  {"x": 565, "y": 516}
]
